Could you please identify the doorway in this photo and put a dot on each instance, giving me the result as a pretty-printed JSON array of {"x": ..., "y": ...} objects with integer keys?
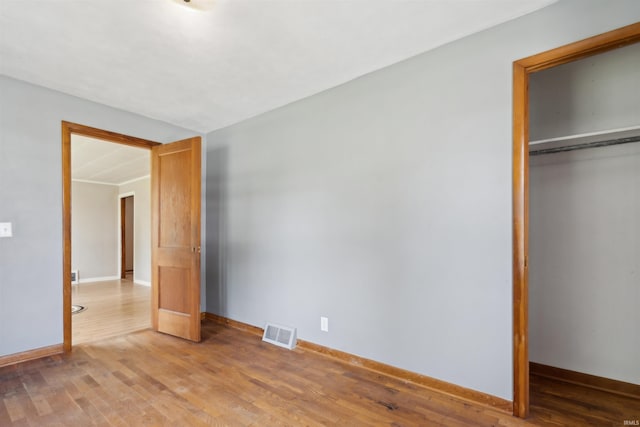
[
  {"x": 127, "y": 231},
  {"x": 521, "y": 71},
  {"x": 584, "y": 173},
  {"x": 111, "y": 282},
  {"x": 175, "y": 211},
  {"x": 110, "y": 299}
]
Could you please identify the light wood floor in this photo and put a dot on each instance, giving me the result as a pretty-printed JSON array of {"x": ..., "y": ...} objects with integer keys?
[
  {"x": 115, "y": 307},
  {"x": 232, "y": 378}
]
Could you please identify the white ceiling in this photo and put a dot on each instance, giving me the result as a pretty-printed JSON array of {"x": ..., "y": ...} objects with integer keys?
[
  {"x": 100, "y": 162},
  {"x": 204, "y": 70}
]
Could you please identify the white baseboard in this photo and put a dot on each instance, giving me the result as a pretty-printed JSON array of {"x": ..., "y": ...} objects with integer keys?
[
  {"x": 142, "y": 282},
  {"x": 99, "y": 279}
]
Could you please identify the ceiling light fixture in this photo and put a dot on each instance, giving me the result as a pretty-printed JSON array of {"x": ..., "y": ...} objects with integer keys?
[{"x": 196, "y": 4}]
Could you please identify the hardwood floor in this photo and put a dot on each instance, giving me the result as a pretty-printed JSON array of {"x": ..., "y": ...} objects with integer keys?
[
  {"x": 558, "y": 403},
  {"x": 115, "y": 307},
  {"x": 232, "y": 378}
]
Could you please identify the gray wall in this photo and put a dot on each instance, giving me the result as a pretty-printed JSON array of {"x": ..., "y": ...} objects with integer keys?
[
  {"x": 584, "y": 220},
  {"x": 94, "y": 235},
  {"x": 385, "y": 205},
  {"x": 594, "y": 94},
  {"x": 142, "y": 228},
  {"x": 585, "y": 261},
  {"x": 31, "y": 195}
]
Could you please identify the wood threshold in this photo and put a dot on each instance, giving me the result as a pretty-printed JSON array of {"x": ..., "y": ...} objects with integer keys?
[
  {"x": 609, "y": 385},
  {"x": 25, "y": 356},
  {"x": 520, "y": 184},
  {"x": 440, "y": 386}
]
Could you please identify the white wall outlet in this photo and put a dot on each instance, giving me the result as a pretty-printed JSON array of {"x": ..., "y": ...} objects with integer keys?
[
  {"x": 324, "y": 324},
  {"x": 5, "y": 229}
]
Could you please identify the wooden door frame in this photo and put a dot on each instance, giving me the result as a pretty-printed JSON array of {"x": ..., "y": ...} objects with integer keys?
[
  {"x": 123, "y": 232},
  {"x": 68, "y": 129},
  {"x": 123, "y": 236},
  {"x": 521, "y": 69}
]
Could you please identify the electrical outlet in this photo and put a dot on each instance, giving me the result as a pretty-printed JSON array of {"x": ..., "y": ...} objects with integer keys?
[
  {"x": 324, "y": 324},
  {"x": 5, "y": 229}
]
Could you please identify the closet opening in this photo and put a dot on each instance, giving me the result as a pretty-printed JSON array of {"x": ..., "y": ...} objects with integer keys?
[{"x": 526, "y": 335}]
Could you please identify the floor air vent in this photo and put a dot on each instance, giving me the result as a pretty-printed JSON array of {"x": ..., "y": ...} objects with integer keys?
[{"x": 280, "y": 335}]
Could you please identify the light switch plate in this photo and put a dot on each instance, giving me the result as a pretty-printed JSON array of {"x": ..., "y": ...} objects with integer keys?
[
  {"x": 5, "y": 229},
  {"x": 324, "y": 324}
]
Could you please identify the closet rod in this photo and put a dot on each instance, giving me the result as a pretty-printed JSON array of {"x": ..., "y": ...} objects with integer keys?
[{"x": 583, "y": 146}]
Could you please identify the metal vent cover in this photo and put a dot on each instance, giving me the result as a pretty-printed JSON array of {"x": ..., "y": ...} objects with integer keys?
[{"x": 282, "y": 336}]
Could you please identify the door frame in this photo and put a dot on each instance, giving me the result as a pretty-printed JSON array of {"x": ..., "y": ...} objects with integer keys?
[
  {"x": 521, "y": 69},
  {"x": 69, "y": 129},
  {"x": 122, "y": 206}
]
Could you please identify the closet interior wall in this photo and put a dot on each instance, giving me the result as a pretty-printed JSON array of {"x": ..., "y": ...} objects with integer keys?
[{"x": 584, "y": 284}]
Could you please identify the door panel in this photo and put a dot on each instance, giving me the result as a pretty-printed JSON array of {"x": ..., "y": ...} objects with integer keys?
[
  {"x": 175, "y": 199},
  {"x": 172, "y": 297}
]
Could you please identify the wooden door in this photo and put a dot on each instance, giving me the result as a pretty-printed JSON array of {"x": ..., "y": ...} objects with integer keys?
[{"x": 175, "y": 258}]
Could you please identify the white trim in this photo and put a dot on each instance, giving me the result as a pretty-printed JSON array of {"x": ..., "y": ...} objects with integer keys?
[
  {"x": 142, "y": 282},
  {"x": 99, "y": 279},
  {"x": 135, "y": 179},
  {"x": 87, "y": 181}
]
